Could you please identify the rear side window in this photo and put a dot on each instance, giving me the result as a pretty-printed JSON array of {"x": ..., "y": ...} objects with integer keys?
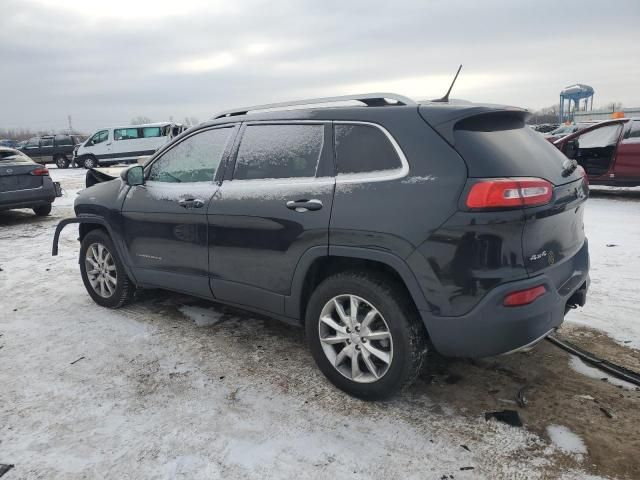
[
  {"x": 195, "y": 159},
  {"x": 63, "y": 140},
  {"x": 151, "y": 132},
  {"x": 279, "y": 151},
  {"x": 125, "y": 133},
  {"x": 364, "y": 148}
]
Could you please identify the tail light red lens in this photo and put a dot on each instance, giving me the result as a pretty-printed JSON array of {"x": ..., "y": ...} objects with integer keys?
[
  {"x": 583, "y": 172},
  {"x": 39, "y": 172},
  {"x": 510, "y": 193},
  {"x": 524, "y": 297}
]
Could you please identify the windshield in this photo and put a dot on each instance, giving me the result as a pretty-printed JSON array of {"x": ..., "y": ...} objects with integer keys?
[{"x": 564, "y": 130}]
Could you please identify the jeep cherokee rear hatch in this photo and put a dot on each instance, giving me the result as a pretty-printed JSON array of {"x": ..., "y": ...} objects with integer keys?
[{"x": 512, "y": 167}]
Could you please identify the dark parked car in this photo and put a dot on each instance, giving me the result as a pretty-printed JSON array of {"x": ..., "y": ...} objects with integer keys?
[
  {"x": 380, "y": 228},
  {"x": 56, "y": 149},
  {"x": 25, "y": 184},
  {"x": 5, "y": 142},
  {"x": 609, "y": 151}
]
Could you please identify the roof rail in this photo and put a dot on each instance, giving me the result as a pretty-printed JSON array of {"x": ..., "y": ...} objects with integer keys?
[{"x": 369, "y": 99}]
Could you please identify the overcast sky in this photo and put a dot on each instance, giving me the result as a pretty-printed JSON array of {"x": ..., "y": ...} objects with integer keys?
[{"x": 106, "y": 62}]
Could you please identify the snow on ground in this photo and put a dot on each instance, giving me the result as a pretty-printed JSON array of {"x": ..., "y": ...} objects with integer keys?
[
  {"x": 579, "y": 366},
  {"x": 566, "y": 440},
  {"x": 166, "y": 388},
  {"x": 612, "y": 224}
]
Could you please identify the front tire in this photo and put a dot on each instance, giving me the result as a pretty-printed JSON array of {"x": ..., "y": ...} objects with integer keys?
[
  {"x": 43, "y": 210},
  {"x": 90, "y": 162},
  {"x": 365, "y": 334},
  {"x": 102, "y": 271}
]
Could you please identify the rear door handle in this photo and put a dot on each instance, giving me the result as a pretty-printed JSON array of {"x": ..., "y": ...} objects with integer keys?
[
  {"x": 304, "y": 205},
  {"x": 191, "y": 203}
]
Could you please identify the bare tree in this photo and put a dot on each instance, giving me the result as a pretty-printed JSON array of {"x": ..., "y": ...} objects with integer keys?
[{"x": 140, "y": 119}]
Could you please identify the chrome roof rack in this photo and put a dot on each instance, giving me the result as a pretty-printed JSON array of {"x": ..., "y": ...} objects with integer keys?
[{"x": 369, "y": 99}]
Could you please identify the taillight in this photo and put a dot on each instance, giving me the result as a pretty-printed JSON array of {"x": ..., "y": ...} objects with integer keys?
[
  {"x": 524, "y": 297},
  {"x": 510, "y": 192},
  {"x": 39, "y": 172},
  {"x": 583, "y": 172}
]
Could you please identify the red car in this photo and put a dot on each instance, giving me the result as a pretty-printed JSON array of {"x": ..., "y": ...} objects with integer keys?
[{"x": 609, "y": 151}]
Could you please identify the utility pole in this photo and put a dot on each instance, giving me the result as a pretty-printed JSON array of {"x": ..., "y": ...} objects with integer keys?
[{"x": 70, "y": 127}]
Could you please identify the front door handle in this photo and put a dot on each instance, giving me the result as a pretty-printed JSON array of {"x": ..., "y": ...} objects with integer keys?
[
  {"x": 191, "y": 203},
  {"x": 304, "y": 205}
]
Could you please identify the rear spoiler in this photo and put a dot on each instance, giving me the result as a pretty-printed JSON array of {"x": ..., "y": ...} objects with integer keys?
[{"x": 443, "y": 117}]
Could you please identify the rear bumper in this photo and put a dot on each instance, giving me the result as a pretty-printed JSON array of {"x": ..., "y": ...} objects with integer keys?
[
  {"x": 29, "y": 198},
  {"x": 493, "y": 329}
]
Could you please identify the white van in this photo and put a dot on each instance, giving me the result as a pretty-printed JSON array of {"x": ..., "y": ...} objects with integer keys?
[{"x": 124, "y": 144}]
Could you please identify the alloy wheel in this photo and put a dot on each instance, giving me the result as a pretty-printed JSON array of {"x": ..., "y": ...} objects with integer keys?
[
  {"x": 355, "y": 338},
  {"x": 101, "y": 270}
]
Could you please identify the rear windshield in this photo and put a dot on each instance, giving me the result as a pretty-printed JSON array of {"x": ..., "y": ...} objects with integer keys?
[
  {"x": 500, "y": 145},
  {"x": 10, "y": 155}
]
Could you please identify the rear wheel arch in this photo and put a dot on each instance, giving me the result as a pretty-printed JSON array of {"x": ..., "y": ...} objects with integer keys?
[{"x": 316, "y": 265}]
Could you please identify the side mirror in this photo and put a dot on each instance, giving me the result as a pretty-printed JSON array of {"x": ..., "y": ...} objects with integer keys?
[
  {"x": 133, "y": 175},
  {"x": 571, "y": 149}
]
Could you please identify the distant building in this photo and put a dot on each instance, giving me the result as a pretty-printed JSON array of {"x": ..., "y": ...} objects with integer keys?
[{"x": 604, "y": 114}]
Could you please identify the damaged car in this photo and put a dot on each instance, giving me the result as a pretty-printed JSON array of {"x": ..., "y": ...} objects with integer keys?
[
  {"x": 384, "y": 229},
  {"x": 609, "y": 152}
]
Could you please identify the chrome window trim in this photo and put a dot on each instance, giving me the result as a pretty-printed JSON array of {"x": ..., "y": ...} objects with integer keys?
[
  {"x": 283, "y": 181},
  {"x": 375, "y": 176}
]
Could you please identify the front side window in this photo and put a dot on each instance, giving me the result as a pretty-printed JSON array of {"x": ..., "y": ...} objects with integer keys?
[
  {"x": 635, "y": 130},
  {"x": 99, "y": 137},
  {"x": 46, "y": 142},
  {"x": 279, "y": 151},
  {"x": 33, "y": 142},
  {"x": 600, "y": 137},
  {"x": 151, "y": 132},
  {"x": 364, "y": 148},
  {"x": 125, "y": 133},
  {"x": 195, "y": 159}
]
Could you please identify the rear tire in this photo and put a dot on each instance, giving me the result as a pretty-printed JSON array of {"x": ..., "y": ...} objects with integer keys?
[
  {"x": 43, "y": 210},
  {"x": 90, "y": 162},
  {"x": 61, "y": 161},
  {"x": 393, "y": 340},
  {"x": 102, "y": 271}
]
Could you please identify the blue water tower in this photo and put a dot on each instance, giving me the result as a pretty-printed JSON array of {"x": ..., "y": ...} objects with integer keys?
[{"x": 575, "y": 93}]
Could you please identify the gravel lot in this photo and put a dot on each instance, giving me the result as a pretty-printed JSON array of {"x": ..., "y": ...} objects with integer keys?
[{"x": 174, "y": 387}]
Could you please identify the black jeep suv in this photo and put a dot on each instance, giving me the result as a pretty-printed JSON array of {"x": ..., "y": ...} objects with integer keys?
[
  {"x": 56, "y": 149},
  {"x": 382, "y": 229}
]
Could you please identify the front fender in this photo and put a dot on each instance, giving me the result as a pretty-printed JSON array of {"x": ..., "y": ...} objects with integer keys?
[{"x": 95, "y": 220}]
